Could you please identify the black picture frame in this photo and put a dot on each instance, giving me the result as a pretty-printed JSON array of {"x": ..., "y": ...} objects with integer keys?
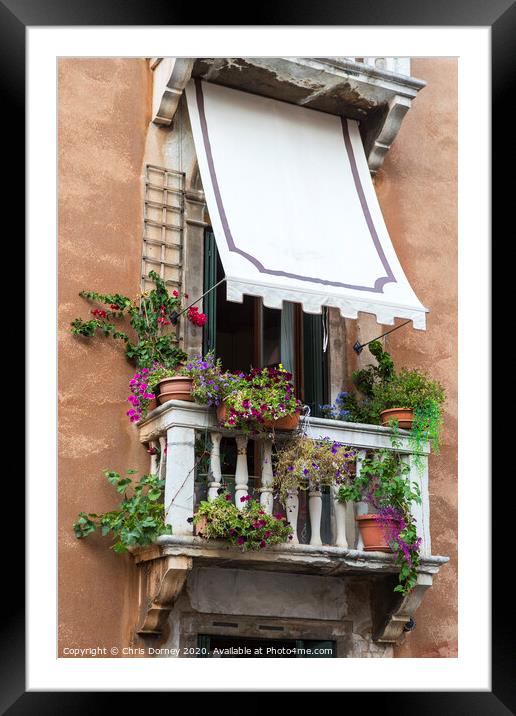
[{"x": 15, "y": 17}]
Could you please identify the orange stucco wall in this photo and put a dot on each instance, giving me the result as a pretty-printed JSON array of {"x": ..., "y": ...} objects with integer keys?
[
  {"x": 104, "y": 111},
  {"x": 417, "y": 189}
]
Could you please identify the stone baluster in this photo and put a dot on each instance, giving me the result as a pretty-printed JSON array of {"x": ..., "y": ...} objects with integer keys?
[
  {"x": 420, "y": 513},
  {"x": 154, "y": 458},
  {"x": 315, "y": 510},
  {"x": 241, "y": 474},
  {"x": 361, "y": 508},
  {"x": 179, "y": 485},
  {"x": 162, "y": 457},
  {"x": 215, "y": 470},
  {"x": 266, "y": 491},
  {"x": 340, "y": 513},
  {"x": 292, "y": 509}
]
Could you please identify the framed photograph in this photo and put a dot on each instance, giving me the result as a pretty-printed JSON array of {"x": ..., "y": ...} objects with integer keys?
[{"x": 258, "y": 403}]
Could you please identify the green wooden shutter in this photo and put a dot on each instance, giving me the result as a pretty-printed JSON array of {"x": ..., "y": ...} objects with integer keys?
[
  {"x": 210, "y": 301},
  {"x": 315, "y": 363}
]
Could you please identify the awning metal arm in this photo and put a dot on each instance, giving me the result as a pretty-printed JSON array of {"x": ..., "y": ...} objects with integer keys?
[
  {"x": 174, "y": 316},
  {"x": 359, "y": 347}
]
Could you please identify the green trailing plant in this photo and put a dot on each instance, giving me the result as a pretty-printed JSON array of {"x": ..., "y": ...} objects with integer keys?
[
  {"x": 250, "y": 527},
  {"x": 302, "y": 462},
  {"x": 360, "y": 406},
  {"x": 380, "y": 387},
  {"x": 149, "y": 315},
  {"x": 383, "y": 483},
  {"x": 414, "y": 389},
  {"x": 373, "y": 375},
  {"x": 140, "y": 519}
]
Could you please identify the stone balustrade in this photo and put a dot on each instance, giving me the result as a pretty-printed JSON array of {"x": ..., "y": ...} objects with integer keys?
[{"x": 172, "y": 429}]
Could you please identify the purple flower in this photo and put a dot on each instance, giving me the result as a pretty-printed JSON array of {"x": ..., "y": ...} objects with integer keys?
[
  {"x": 240, "y": 540},
  {"x": 228, "y": 498}
]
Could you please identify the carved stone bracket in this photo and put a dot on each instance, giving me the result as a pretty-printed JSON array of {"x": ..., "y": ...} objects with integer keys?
[
  {"x": 170, "y": 77},
  {"x": 391, "y": 622},
  {"x": 162, "y": 582},
  {"x": 383, "y": 134}
]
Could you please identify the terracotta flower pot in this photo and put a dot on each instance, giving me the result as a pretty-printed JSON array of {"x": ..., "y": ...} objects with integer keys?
[
  {"x": 404, "y": 416},
  {"x": 288, "y": 422},
  {"x": 373, "y": 537},
  {"x": 153, "y": 404},
  {"x": 178, "y": 387},
  {"x": 200, "y": 526}
]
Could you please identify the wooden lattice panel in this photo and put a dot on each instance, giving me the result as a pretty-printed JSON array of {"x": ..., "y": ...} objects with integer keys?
[{"x": 163, "y": 226}]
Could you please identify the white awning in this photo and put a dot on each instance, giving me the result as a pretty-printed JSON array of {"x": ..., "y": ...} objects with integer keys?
[{"x": 293, "y": 207}]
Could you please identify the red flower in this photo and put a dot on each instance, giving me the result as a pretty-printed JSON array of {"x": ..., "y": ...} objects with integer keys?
[
  {"x": 175, "y": 293},
  {"x": 198, "y": 319}
]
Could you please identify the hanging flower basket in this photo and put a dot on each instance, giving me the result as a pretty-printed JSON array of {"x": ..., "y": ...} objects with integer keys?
[
  {"x": 373, "y": 534},
  {"x": 287, "y": 422},
  {"x": 404, "y": 416},
  {"x": 177, "y": 387}
]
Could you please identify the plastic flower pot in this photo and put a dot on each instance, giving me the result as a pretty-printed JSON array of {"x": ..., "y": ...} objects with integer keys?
[
  {"x": 404, "y": 416},
  {"x": 372, "y": 532},
  {"x": 288, "y": 422},
  {"x": 177, "y": 387}
]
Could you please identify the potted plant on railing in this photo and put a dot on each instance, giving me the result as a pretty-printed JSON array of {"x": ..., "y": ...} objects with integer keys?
[
  {"x": 412, "y": 400},
  {"x": 303, "y": 462},
  {"x": 250, "y": 527},
  {"x": 261, "y": 399},
  {"x": 408, "y": 399},
  {"x": 382, "y": 483},
  {"x": 200, "y": 379},
  {"x": 140, "y": 519}
]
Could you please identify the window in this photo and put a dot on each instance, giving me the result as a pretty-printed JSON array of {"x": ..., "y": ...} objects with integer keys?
[{"x": 249, "y": 334}]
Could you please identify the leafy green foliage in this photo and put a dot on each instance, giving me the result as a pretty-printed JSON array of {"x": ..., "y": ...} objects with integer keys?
[
  {"x": 381, "y": 387},
  {"x": 408, "y": 389},
  {"x": 138, "y": 521},
  {"x": 367, "y": 378},
  {"x": 414, "y": 389},
  {"x": 148, "y": 316},
  {"x": 383, "y": 483},
  {"x": 250, "y": 527}
]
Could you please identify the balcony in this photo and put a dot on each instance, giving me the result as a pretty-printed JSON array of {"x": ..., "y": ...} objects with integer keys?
[
  {"x": 377, "y": 91},
  {"x": 325, "y": 541}
]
